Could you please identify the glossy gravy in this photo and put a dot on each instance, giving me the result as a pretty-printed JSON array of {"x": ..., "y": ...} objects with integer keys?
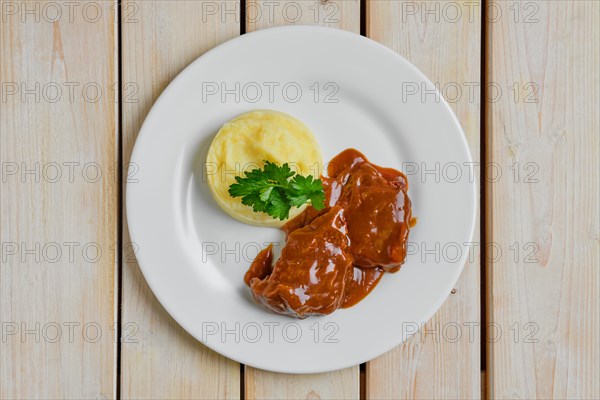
[{"x": 335, "y": 257}]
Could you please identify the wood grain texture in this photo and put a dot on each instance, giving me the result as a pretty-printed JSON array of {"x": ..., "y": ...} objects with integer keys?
[
  {"x": 546, "y": 300},
  {"x": 343, "y": 384},
  {"x": 58, "y": 201},
  {"x": 445, "y": 45},
  {"x": 159, "y": 39},
  {"x": 341, "y": 14}
]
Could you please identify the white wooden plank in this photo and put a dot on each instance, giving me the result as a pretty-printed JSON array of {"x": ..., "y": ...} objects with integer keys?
[
  {"x": 58, "y": 200},
  {"x": 343, "y": 384},
  {"x": 442, "y": 40},
  {"x": 159, "y": 39},
  {"x": 543, "y": 134}
]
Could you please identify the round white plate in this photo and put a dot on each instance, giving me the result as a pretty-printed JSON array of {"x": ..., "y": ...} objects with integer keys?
[{"x": 352, "y": 92}]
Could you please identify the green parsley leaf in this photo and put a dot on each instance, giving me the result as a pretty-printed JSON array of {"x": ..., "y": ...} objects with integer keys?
[
  {"x": 265, "y": 193},
  {"x": 304, "y": 188},
  {"x": 279, "y": 206},
  {"x": 270, "y": 190}
]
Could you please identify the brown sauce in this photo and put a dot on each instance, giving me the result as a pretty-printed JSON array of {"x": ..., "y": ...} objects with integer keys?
[
  {"x": 363, "y": 281},
  {"x": 335, "y": 257}
]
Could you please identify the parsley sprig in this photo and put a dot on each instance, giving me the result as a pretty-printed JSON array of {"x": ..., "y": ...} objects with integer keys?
[{"x": 270, "y": 190}]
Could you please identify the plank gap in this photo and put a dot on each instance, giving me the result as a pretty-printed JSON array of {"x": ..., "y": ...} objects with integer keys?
[
  {"x": 482, "y": 185},
  {"x": 242, "y": 17},
  {"x": 119, "y": 247},
  {"x": 242, "y": 32},
  {"x": 363, "y": 19},
  {"x": 242, "y": 381},
  {"x": 362, "y": 389}
]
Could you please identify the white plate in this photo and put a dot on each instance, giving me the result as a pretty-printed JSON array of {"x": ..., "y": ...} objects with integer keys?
[{"x": 194, "y": 256}]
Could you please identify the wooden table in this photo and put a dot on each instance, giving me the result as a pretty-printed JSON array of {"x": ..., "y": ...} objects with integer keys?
[{"x": 78, "y": 79}]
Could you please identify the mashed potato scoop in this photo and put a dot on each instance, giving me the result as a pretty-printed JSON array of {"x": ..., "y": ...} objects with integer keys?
[{"x": 244, "y": 143}]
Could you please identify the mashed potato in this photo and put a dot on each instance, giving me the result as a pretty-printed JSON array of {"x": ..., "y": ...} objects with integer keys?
[{"x": 244, "y": 142}]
